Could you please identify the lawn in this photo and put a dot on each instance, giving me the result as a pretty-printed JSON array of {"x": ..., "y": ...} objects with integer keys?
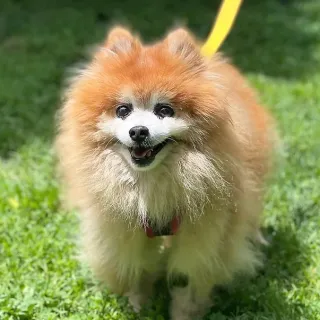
[{"x": 277, "y": 45}]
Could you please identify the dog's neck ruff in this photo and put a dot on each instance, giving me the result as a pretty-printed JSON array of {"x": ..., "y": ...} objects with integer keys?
[{"x": 169, "y": 230}]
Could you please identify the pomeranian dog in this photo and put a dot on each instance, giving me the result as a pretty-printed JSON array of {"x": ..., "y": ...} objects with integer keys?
[{"x": 158, "y": 142}]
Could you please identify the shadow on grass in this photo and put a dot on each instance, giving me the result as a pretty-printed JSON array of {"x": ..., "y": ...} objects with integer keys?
[
  {"x": 275, "y": 39},
  {"x": 265, "y": 295},
  {"x": 40, "y": 39}
]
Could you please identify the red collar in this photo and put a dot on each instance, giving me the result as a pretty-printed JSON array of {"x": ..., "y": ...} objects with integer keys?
[{"x": 169, "y": 230}]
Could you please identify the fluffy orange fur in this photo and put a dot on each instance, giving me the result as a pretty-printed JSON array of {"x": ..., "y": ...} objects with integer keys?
[{"x": 213, "y": 179}]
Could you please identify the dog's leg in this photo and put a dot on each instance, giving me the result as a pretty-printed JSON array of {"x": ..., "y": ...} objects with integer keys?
[
  {"x": 142, "y": 292},
  {"x": 194, "y": 256},
  {"x": 208, "y": 253},
  {"x": 190, "y": 300},
  {"x": 125, "y": 260}
]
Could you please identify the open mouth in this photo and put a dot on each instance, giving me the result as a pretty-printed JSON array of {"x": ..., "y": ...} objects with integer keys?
[{"x": 143, "y": 156}]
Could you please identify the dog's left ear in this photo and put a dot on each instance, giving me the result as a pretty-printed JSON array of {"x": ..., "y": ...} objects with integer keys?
[
  {"x": 120, "y": 40},
  {"x": 182, "y": 44}
]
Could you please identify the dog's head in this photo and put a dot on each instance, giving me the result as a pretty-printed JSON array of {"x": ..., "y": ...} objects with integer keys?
[{"x": 146, "y": 102}]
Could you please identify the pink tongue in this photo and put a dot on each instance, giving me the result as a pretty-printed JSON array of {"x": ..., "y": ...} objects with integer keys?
[{"x": 142, "y": 153}]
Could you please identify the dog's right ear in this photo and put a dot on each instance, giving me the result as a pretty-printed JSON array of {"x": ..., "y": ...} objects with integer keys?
[
  {"x": 181, "y": 43},
  {"x": 120, "y": 40}
]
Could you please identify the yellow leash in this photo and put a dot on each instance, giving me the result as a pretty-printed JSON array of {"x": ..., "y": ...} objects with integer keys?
[{"x": 222, "y": 26}]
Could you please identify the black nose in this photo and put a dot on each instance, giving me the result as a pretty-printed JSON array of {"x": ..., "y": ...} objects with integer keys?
[{"x": 139, "y": 133}]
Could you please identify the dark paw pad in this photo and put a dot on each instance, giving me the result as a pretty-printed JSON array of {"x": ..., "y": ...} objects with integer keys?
[{"x": 179, "y": 280}]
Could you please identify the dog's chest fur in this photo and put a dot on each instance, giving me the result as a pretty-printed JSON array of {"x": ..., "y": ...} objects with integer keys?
[{"x": 182, "y": 188}]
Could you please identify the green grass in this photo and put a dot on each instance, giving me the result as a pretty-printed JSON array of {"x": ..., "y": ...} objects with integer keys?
[{"x": 277, "y": 46}]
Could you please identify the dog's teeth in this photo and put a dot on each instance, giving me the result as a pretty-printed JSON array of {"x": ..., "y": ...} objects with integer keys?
[{"x": 149, "y": 153}]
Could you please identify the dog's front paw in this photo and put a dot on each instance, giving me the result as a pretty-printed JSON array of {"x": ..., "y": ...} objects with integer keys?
[
  {"x": 181, "y": 313},
  {"x": 185, "y": 308},
  {"x": 137, "y": 300}
]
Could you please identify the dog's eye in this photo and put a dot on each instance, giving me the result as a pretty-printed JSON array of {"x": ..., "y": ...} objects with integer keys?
[
  {"x": 163, "y": 110},
  {"x": 123, "y": 110}
]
